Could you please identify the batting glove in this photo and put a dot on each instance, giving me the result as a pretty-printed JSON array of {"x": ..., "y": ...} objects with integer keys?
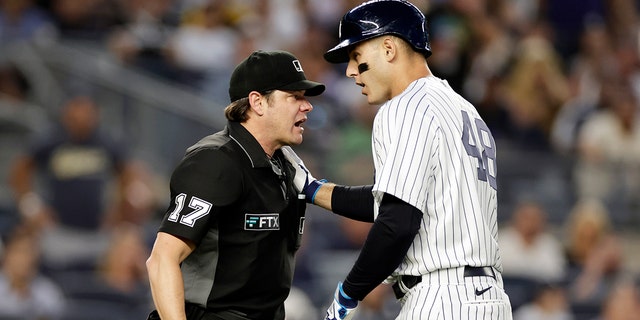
[
  {"x": 343, "y": 307},
  {"x": 303, "y": 181}
]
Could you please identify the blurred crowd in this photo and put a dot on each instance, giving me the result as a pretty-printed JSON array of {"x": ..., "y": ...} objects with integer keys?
[{"x": 560, "y": 79}]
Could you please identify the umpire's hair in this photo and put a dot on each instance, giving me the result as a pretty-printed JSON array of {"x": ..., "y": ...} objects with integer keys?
[{"x": 236, "y": 111}]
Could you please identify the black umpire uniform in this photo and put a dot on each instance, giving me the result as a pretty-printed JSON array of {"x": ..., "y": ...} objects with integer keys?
[{"x": 242, "y": 211}]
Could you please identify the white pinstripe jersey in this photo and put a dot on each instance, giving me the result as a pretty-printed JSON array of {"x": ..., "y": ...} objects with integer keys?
[{"x": 432, "y": 150}]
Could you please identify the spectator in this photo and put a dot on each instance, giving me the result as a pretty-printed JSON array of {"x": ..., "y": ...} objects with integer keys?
[
  {"x": 350, "y": 157},
  {"x": 22, "y": 20},
  {"x": 88, "y": 20},
  {"x": 142, "y": 39},
  {"x": 608, "y": 148},
  {"x": 549, "y": 303},
  {"x": 117, "y": 288},
  {"x": 596, "y": 72},
  {"x": 622, "y": 18},
  {"x": 26, "y": 293},
  {"x": 450, "y": 35},
  {"x": 590, "y": 66},
  {"x": 534, "y": 89},
  {"x": 271, "y": 23},
  {"x": 205, "y": 29},
  {"x": 75, "y": 165},
  {"x": 482, "y": 83},
  {"x": 122, "y": 266},
  {"x": 137, "y": 202},
  {"x": 594, "y": 255},
  {"x": 518, "y": 16},
  {"x": 568, "y": 19},
  {"x": 528, "y": 248},
  {"x": 623, "y": 302},
  {"x": 19, "y": 119}
]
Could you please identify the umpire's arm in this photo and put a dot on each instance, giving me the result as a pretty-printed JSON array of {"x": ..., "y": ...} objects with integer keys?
[{"x": 165, "y": 277}]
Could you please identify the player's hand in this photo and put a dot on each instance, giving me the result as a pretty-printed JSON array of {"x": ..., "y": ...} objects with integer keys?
[
  {"x": 343, "y": 307},
  {"x": 303, "y": 176},
  {"x": 304, "y": 182}
]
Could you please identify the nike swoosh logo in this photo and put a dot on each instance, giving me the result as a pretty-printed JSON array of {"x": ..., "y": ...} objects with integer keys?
[{"x": 480, "y": 292}]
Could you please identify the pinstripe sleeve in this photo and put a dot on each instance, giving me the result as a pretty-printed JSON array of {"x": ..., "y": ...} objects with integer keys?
[{"x": 413, "y": 138}]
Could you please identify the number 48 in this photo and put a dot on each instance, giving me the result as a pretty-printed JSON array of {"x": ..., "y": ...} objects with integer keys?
[{"x": 487, "y": 167}]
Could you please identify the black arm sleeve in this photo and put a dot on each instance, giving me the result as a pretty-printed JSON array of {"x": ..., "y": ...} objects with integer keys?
[
  {"x": 353, "y": 202},
  {"x": 387, "y": 243}
]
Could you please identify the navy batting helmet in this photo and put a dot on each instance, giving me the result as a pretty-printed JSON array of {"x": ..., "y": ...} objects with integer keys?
[{"x": 379, "y": 17}]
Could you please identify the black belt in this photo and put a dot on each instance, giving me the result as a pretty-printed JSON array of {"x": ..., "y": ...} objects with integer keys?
[{"x": 410, "y": 281}]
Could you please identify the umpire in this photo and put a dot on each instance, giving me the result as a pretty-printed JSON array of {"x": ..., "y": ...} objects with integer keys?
[{"x": 225, "y": 248}]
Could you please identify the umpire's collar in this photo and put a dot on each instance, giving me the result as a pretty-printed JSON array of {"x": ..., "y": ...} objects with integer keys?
[{"x": 249, "y": 144}]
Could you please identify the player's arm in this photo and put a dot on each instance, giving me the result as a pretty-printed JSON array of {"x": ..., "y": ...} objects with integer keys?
[
  {"x": 389, "y": 239},
  {"x": 354, "y": 202},
  {"x": 387, "y": 243},
  {"x": 165, "y": 277}
]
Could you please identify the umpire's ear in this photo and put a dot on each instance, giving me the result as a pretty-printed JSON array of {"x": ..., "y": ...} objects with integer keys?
[{"x": 257, "y": 102}]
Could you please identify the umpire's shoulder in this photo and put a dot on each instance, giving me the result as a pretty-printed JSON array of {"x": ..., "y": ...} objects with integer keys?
[
  {"x": 211, "y": 159},
  {"x": 213, "y": 151},
  {"x": 211, "y": 142}
]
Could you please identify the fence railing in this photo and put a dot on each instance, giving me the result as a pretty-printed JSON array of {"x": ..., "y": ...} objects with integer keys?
[{"x": 157, "y": 118}]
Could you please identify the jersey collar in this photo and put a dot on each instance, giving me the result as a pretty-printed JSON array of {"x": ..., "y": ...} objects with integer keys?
[{"x": 249, "y": 145}]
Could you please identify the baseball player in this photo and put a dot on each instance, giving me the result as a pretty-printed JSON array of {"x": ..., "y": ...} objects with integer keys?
[
  {"x": 433, "y": 203},
  {"x": 225, "y": 248}
]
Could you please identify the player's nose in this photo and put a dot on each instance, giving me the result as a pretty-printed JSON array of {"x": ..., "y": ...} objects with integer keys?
[{"x": 352, "y": 69}]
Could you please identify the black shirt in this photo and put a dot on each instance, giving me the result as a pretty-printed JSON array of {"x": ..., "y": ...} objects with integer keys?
[{"x": 243, "y": 213}]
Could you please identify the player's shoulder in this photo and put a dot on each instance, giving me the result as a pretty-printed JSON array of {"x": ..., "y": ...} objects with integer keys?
[
  {"x": 442, "y": 97},
  {"x": 426, "y": 93}
]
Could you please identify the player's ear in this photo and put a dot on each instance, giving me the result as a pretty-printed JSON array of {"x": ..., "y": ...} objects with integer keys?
[
  {"x": 256, "y": 102},
  {"x": 389, "y": 48}
]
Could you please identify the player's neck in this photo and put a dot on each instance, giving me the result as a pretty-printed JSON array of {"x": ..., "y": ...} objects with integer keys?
[{"x": 410, "y": 73}]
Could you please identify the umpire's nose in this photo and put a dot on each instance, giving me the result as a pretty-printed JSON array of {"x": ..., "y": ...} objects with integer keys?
[{"x": 306, "y": 106}]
